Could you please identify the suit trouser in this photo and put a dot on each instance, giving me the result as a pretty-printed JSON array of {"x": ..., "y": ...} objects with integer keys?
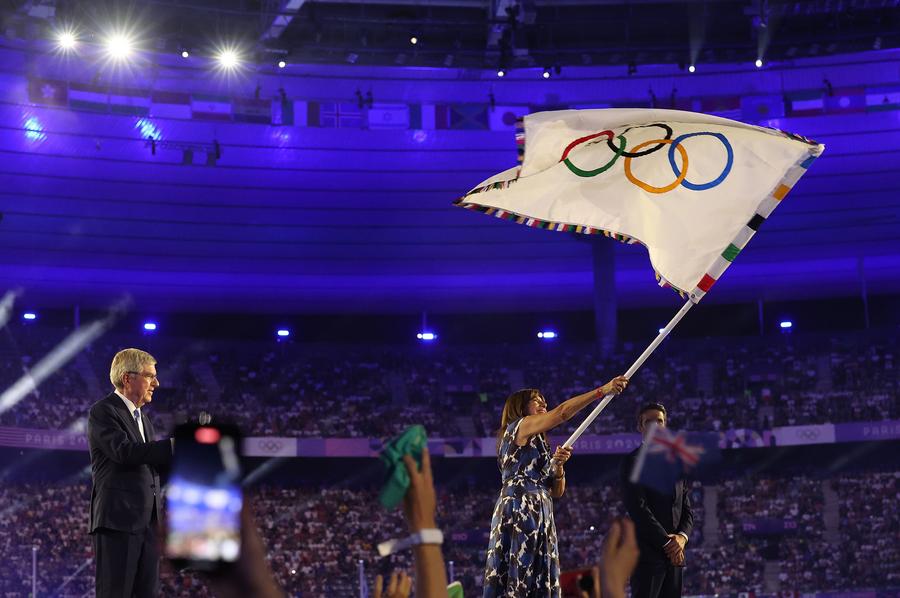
[
  {"x": 127, "y": 562},
  {"x": 656, "y": 579}
]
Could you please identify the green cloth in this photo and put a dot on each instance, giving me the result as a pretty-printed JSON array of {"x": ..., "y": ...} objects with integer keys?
[
  {"x": 455, "y": 590},
  {"x": 410, "y": 442}
]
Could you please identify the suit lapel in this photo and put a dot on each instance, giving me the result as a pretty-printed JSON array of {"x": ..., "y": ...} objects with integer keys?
[{"x": 126, "y": 417}]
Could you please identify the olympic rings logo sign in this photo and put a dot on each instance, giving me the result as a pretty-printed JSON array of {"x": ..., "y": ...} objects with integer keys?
[
  {"x": 638, "y": 151},
  {"x": 270, "y": 446},
  {"x": 808, "y": 433}
]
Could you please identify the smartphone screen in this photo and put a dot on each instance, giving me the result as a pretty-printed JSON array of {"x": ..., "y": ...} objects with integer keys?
[{"x": 203, "y": 497}]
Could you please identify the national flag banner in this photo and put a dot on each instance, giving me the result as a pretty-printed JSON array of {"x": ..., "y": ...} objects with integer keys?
[
  {"x": 680, "y": 103},
  {"x": 337, "y": 115},
  {"x": 845, "y": 100},
  {"x": 667, "y": 456},
  {"x": 133, "y": 102},
  {"x": 388, "y": 116},
  {"x": 282, "y": 112},
  {"x": 882, "y": 98},
  {"x": 95, "y": 98},
  {"x": 461, "y": 116},
  {"x": 763, "y": 107},
  {"x": 422, "y": 116},
  {"x": 252, "y": 110},
  {"x": 692, "y": 188},
  {"x": 170, "y": 104},
  {"x": 210, "y": 107},
  {"x": 84, "y": 96},
  {"x": 504, "y": 118},
  {"x": 48, "y": 92},
  {"x": 806, "y": 103},
  {"x": 724, "y": 106}
]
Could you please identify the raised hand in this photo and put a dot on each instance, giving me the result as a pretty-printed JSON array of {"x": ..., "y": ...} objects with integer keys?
[
  {"x": 619, "y": 558},
  {"x": 399, "y": 586},
  {"x": 420, "y": 502},
  {"x": 614, "y": 386}
]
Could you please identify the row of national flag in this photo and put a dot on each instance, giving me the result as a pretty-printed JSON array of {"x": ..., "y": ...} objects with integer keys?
[{"x": 463, "y": 116}]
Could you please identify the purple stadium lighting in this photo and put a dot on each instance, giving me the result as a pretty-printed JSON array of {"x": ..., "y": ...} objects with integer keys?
[
  {"x": 228, "y": 58},
  {"x": 150, "y": 326},
  {"x": 29, "y": 315},
  {"x": 692, "y": 68},
  {"x": 547, "y": 335},
  {"x": 283, "y": 333},
  {"x": 426, "y": 337},
  {"x": 281, "y": 64},
  {"x": 66, "y": 40},
  {"x": 185, "y": 54},
  {"x": 119, "y": 46},
  {"x": 759, "y": 63},
  {"x": 546, "y": 74},
  {"x": 34, "y": 130},
  {"x": 501, "y": 73},
  {"x": 786, "y": 324}
]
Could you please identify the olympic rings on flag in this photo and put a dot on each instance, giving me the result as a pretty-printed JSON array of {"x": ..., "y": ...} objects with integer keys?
[
  {"x": 596, "y": 171},
  {"x": 702, "y": 187},
  {"x": 651, "y": 188},
  {"x": 677, "y": 143},
  {"x": 668, "y": 136}
]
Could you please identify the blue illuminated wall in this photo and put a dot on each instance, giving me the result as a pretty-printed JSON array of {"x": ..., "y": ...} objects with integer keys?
[{"x": 186, "y": 190}]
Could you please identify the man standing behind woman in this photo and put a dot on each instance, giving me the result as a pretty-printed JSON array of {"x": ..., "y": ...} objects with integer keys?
[{"x": 523, "y": 555}]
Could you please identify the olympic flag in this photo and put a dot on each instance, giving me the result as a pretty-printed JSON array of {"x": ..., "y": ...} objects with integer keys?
[{"x": 690, "y": 187}]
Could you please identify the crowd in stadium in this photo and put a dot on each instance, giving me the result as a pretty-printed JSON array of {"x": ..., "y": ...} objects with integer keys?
[
  {"x": 310, "y": 391},
  {"x": 316, "y": 537}
]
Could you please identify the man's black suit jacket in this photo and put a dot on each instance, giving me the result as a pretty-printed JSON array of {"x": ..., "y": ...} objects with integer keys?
[
  {"x": 656, "y": 515},
  {"x": 124, "y": 468}
]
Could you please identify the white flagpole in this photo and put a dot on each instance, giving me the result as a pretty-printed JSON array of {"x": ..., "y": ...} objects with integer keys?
[{"x": 630, "y": 373}]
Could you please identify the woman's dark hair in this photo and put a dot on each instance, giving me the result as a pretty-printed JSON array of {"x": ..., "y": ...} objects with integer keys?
[{"x": 516, "y": 407}]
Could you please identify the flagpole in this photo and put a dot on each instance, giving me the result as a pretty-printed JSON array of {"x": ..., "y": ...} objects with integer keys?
[{"x": 631, "y": 371}]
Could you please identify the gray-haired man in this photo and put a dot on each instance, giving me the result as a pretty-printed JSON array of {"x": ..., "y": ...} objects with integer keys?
[{"x": 125, "y": 463}]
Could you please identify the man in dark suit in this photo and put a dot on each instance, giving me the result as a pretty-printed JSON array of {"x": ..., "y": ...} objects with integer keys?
[
  {"x": 663, "y": 523},
  {"x": 125, "y": 463}
]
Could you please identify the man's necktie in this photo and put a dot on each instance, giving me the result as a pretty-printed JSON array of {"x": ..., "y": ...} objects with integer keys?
[{"x": 137, "y": 420}]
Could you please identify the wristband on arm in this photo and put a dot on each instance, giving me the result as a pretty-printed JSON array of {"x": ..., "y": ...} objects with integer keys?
[{"x": 423, "y": 536}]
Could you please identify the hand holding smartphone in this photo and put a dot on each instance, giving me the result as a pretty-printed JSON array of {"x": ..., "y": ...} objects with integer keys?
[{"x": 204, "y": 498}]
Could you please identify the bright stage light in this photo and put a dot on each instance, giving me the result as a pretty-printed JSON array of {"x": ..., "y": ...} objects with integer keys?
[
  {"x": 691, "y": 69},
  {"x": 66, "y": 40},
  {"x": 759, "y": 63},
  {"x": 426, "y": 336},
  {"x": 785, "y": 324},
  {"x": 150, "y": 326},
  {"x": 119, "y": 46},
  {"x": 281, "y": 64},
  {"x": 228, "y": 59},
  {"x": 545, "y": 74},
  {"x": 501, "y": 73},
  {"x": 283, "y": 332},
  {"x": 547, "y": 335},
  {"x": 185, "y": 54},
  {"x": 28, "y": 315},
  {"x": 414, "y": 40}
]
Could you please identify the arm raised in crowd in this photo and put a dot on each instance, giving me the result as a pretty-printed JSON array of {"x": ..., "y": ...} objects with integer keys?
[{"x": 419, "y": 506}]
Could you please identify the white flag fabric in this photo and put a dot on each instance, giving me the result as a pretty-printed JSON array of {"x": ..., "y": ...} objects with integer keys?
[{"x": 690, "y": 187}]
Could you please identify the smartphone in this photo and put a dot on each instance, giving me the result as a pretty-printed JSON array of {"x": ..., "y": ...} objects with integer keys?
[{"x": 204, "y": 498}]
